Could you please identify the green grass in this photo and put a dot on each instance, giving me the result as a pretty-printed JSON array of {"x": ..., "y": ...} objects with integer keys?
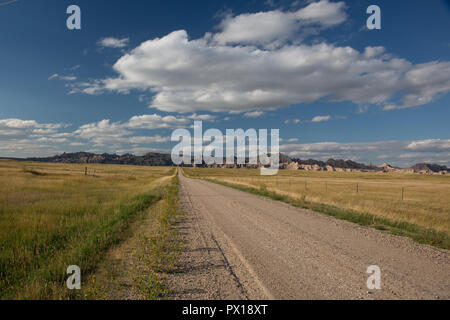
[
  {"x": 136, "y": 267},
  {"x": 159, "y": 252}
]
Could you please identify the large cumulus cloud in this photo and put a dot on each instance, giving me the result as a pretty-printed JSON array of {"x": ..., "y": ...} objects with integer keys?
[{"x": 191, "y": 75}]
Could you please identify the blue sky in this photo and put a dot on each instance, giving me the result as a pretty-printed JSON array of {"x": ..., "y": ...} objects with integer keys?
[{"x": 139, "y": 69}]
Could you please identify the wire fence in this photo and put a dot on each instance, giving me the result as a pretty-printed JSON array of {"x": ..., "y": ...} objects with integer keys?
[{"x": 388, "y": 190}]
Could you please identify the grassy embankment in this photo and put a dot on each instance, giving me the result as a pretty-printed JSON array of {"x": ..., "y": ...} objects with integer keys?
[
  {"x": 137, "y": 267},
  {"x": 369, "y": 199},
  {"x": 53, "y": 216}
]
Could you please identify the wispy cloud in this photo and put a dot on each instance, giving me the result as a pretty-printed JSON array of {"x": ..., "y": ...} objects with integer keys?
[
  {"x": 8, "y": 2},
  {"x": 321, "y": 118},
  {"x": 202, "y": 117},
  {"x": 111, "y": 42},
  {"x": 253, "y": 114},
  {"x": 56, "y": 76},
  {"x": 30, "y": 138}
]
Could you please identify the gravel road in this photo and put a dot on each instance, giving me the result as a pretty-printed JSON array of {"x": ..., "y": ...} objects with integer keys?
[{"x": 242, "y": 246}]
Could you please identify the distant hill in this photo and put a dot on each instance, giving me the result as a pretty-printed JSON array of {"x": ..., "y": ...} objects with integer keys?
[
  {"x": 429, "y": 167},
  {"x": 160, "y": 159},
  {"x": 340, "y": 164},
  {"x": 149, "y": 159}
]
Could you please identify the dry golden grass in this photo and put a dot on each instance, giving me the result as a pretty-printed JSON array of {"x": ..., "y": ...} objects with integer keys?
[
  {"x": 52, "y": 216},
  {"x": 426, "y": 199}
]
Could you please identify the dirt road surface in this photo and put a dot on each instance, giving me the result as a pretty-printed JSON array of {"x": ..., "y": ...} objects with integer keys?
[{"x": 242, "y": 246}]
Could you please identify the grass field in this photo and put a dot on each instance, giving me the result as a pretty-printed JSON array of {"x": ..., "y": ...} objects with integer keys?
[
  {"x": 53, "y": 216},
  {"x": 136, "y": 268},
  {"x": 410, "y": 204}
]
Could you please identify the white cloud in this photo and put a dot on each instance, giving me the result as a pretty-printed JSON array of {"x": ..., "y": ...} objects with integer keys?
[
  {"x": 111, "y": 42},
  {"x": 430, "y": 145},
  {"x": 321, "y": 118},
  {"x": 7, "y": 2},
  {"x": 28, "y": 148},
  {"x": 29, "y": 138},
  {"x": 21, "y": 129},
  {"x": 155, "y": 121},
  {"x": 63, "y": 78},
  {"x": 202, "y": 117},
  {"x": 423, "y": 83},
  {"x": 147, "y": 139},
  {"x": 52, "y": 139},
  {"x": 253, "y": 114},
  {"x": 198, "y": 75},
  {"x": 294, "y": 121},
  {"x": 323, "y": 12},
  {"x": 402, "y": 153},
  {"x": 21, "y": 138},
  {"x": 104, "y": 133},
  {"x": 277, "y": 26},
  {"x": 77, "y": 144}
]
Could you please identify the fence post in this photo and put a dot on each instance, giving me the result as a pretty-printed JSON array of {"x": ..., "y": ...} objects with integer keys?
[
  {"x": 85, "y": 171},
  {"x": 357, "y": 188},
  {"x": 403, "y": 192}
]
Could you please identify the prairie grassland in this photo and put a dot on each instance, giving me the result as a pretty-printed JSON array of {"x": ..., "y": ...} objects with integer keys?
[
  {"x": 53, "y": 216},
  {"x": 136, "y": 268},
  {"x": 426, "y": 199}
]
